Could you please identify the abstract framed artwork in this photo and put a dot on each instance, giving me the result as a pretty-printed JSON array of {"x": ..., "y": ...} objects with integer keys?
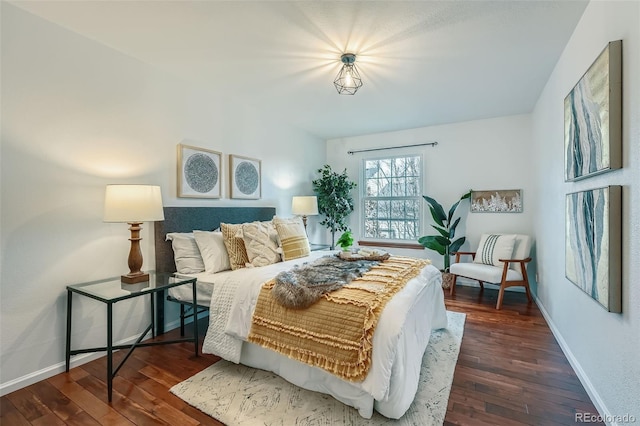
[
  {"x": 245, "y": 177},
  {"x": 497, "y": 201},
  {"x": 593, "y": 239},
  {"x": 593, "y": 118},
  {"x": 199, "y": 172}
]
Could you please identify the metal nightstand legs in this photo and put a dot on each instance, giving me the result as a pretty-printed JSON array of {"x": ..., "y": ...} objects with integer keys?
[
  {"x": 110, "y": 350},
  {"x": 111, "y": 372},
  {"x": 68, "y": 351}
]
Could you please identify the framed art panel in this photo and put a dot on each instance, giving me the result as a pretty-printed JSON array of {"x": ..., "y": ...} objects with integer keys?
[
  {"x": 593, "y": 118},
  {"x": 245, "y": 177},
  {"x": 593, "y": 239},
  {"x": 199, "y": 172},
  {"x": 497, "y": 201}
]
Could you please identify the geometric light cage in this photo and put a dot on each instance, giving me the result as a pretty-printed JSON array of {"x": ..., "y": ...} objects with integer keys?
[{"x": 348, "y": 80}]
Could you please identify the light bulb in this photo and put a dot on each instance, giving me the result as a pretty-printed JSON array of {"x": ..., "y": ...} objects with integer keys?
[{"x": 348, "y": 81}]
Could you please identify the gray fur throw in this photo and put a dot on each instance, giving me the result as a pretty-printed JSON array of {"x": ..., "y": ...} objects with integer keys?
[{"x": 302, "y": 286}]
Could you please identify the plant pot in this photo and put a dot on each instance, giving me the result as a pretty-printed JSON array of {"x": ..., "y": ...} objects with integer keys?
[{"x": 447, "y": 280}]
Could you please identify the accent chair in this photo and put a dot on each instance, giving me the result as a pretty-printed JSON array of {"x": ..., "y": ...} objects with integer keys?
[{"x": 500, "y": 259}]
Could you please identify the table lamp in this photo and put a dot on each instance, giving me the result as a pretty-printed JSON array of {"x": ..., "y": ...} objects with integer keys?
[
  {"x": 305, "y": 206},
  {"x": 133, "y": 204}
]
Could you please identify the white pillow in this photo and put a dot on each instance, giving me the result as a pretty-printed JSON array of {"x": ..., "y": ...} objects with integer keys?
[
  {"x": 186, "y": 253},
  {"x": 261, "y": 242},
  {"x": 493, "y": 247},
  {"x": 214, "y": 253}
]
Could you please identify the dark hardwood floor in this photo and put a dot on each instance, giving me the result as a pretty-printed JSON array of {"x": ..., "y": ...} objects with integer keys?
[{"x": 511, "y": 371}]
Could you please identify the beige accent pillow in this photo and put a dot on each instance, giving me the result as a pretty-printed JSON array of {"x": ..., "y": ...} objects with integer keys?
[
  {"x": 261, "y": 242},
  {"x": 186, "y": 253},
  {"x": 238, "y": 257},
  {"x": 493, "y": 247},
  {"x": 214, "y": 253},
  {"x": 293, "y": 237}
]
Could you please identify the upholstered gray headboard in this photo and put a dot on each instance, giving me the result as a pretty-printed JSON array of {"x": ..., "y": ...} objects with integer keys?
[{"x": 187, "y": 219}]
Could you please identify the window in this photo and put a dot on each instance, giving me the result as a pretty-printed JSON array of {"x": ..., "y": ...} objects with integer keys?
[{"x": 391, "y": 199}]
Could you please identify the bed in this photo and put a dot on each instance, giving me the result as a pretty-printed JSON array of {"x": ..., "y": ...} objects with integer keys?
[{"x": 399, "y": 341}]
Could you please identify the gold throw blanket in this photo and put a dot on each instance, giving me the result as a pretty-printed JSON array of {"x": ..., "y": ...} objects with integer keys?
[{"x": 336, "y": 332}]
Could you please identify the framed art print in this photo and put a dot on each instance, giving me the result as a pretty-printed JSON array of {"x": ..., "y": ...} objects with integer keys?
[
  {"x": 593, "y": 118},
  {"x": 245, "y": 177},
  {"x": 593, "y": 239},
  {"x": 199, "y": 172},
  {"x": 497, "y": 201}
]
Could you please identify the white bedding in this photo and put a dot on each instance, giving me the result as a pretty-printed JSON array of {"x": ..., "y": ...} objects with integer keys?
[
  {"x": 399, "y": 341},
  {"x": 204, "y": 289}
]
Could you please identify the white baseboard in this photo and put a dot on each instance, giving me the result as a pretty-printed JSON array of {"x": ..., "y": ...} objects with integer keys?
[
  {"x": 582, "y": 376},
  {"x": 76, "y": 360}
]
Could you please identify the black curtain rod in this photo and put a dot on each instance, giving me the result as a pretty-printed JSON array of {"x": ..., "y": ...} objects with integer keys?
[{"x": 393, "y": 147}]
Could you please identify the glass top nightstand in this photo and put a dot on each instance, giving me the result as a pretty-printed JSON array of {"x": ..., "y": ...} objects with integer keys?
[{"x": 111, "y": 291}]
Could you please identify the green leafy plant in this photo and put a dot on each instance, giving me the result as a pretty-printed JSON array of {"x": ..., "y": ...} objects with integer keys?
[
  {"x": 345, "y": 241},
  {"x": 444, "y": 243},
  {"x": 334, "y": 199}
]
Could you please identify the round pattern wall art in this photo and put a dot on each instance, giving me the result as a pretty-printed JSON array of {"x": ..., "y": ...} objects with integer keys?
[
  {"x": 245, "y": 177},
  {"x": 199, "y": 172}
]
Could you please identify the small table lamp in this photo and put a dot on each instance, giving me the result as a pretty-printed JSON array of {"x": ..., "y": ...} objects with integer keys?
[
  {"x": 305, "y": 206},
  {"x": 133, "y": 204}
]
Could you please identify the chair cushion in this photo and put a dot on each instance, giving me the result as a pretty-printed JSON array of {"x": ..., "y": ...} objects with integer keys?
[
  {"x": 521, "y": 250},
  {"x": 486, "y": 273},
  {"x": 493, "y": 247},
  {"x": 522, "y": 247}
]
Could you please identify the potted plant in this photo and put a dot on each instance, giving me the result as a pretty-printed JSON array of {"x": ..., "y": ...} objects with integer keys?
[
  {"x": 444, "y": 243},
  {"x": 345, "y": 241},
  {"x": 334, "y": 199}
]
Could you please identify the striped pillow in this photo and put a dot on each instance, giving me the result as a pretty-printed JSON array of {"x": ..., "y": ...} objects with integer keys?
[
  {"x": 493, "y": 247},
  {"x": 293, "y": 237}
]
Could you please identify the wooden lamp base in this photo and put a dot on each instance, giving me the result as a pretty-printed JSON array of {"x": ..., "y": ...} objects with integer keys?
[
  {"x": 135, "y": 258},
  {"x": 134, "y": 279}
]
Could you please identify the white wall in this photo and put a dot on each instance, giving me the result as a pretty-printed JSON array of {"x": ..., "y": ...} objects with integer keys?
[
  {"x": 480, "y": 155},
  {"x": 76, "y": 116},
  {"x": 603, "y": 347}
]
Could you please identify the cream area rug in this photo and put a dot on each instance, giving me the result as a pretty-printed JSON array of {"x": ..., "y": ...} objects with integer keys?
[{"x": 238, "y": 395}]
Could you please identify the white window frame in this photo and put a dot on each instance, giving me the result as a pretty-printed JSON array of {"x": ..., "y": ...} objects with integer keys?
[{"x": 364, "y": 198}]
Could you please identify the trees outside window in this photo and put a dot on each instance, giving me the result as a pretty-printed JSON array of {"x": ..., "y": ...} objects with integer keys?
[{"x": 392, "y": 198}]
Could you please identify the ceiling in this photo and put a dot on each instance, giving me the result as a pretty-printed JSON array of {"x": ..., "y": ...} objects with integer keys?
[{"x": 422, "y": 62}]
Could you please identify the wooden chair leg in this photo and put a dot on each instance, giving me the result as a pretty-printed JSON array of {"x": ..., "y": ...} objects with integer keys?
[
  {"x": 500, "y": 296},
  {"x": 526, "y": 289},
  {"x": 481, "y": 285},
  {"x": 452, "y": 289}
]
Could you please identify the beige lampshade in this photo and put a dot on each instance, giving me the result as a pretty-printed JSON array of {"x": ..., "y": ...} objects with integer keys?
[
  {"x": 133, "y": 203},
  {"x": 305, "y": 206}
]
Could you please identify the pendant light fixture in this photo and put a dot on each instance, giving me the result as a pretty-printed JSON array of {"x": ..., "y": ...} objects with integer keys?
[{"x": 348, "y": 80}]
